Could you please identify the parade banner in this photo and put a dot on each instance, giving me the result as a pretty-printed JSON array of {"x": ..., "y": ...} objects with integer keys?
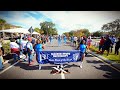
[{"x": 58, "y": 57}]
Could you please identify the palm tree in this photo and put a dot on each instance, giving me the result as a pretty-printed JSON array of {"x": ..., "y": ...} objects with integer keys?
[{"x": 2, "y": 23}]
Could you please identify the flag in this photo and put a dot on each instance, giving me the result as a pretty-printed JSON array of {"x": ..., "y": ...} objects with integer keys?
[{"x": 31, "y": 30}]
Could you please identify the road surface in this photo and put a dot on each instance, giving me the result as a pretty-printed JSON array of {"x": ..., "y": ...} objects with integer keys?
[{"x": 93, "y": 68}]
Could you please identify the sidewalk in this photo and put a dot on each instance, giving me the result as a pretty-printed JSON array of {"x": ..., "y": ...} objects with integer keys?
[{"x": 114, "y": 64}]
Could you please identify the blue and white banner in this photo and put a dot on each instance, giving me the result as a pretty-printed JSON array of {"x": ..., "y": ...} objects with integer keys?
[{"x": 57, "y": 57}]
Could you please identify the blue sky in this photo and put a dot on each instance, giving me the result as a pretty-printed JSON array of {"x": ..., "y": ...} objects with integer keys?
[{"x": 65, "y": 20}]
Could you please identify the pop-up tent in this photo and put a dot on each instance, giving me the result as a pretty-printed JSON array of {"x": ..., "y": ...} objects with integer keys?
[
  {"x": 16, "y": 30},
  {"x": 35, "y": 32}
]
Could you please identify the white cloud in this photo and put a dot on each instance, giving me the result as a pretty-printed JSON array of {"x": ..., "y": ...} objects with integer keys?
[
  {"x": 25, "y": 19},
  {"x": 92, "y": 20},
  {"x": 66, "y": 20}
]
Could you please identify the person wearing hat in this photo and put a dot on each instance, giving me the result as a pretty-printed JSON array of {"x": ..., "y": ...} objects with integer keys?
[{"x": 30, "y": 51}]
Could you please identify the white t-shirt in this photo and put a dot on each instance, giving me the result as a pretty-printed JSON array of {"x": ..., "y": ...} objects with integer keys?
[
  {"x": 23, "y": 43},
  {"x": 75, "y": 38},
  {"x": 0, "y": 45},
  {"x": 30, "y": 46},
  {"x": 14, "y": 45}
]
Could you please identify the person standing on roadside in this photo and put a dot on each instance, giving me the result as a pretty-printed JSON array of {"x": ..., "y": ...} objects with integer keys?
[
  {"x": 75, "y": 41},
  {"x": 38, "y": 49},
  {"x": 101, "y": 43},
  {"x": 107, "y": 44},
  {"x": 23, "y": 43},
  {"x": 117, "y": 46},
  {"x": 30, "y": 51},
  {"x": 1, "y": 59},
  {"x": 88, "y": 43},
  {"x": 15, "y": 49}
]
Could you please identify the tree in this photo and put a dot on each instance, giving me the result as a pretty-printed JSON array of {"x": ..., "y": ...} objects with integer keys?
[
  {"x": 97, "y": 34},
  {"x": 86, "y": 32},
  {"x": 48, "y": 28},
  {"x": 66, "y": 34},
  {"x": 71, "y": 33},
  {"x": 2, "y": 23},
  {"x": 39, "y": 30},
  {"x": 112, "y": 27}
]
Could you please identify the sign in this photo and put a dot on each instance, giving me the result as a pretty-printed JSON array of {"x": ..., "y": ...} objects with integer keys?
[
  {"x": 31, "y": 30},
  {"x": 58, "y": 57}
]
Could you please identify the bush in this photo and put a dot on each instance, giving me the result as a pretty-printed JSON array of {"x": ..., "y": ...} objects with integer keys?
[{"x": 6, "y": 47}]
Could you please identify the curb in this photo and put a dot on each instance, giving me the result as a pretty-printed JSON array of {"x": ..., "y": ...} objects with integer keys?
[{"x": 112, "y": 63}]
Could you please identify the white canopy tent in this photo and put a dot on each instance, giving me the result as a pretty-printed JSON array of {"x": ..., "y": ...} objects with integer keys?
[
  {"x": 17, "y": 30},
  {"x": 35, "y": 32}
]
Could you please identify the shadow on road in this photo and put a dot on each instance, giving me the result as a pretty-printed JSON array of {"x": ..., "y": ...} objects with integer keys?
[
  {"x": 25, "y": 66},
  {"x": 110, "y": 73},
  {"x": 88, "y": 55},
  {"x": 73, "y": 65},
  {"x": 93, "y": 61}
]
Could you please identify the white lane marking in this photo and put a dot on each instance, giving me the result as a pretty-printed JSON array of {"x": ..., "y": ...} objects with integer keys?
[
  {"x": 62, "y": 75},
  {"x": 106, "y": 63},
  {"x": 9, "y": 67}
]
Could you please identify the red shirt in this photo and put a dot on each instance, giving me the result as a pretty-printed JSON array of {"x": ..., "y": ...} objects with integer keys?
[{"x": 102, "y": 41}]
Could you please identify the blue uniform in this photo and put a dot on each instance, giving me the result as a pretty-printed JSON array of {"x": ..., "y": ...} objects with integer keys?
[
  {"x": 82, "y": 48},
  {"x": 65, "y": 38},
  {"x": 50, "y": 39},
  {"x": 38, "y": 48},
  {"x": 59, "y": 41}
]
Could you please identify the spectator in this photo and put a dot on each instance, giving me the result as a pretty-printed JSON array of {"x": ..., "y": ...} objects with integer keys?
[
  {"x": 101, "y": 43},
  {"x": 2, "y": 48},
  {"x": 38, "y": 48},
  {"x": 1, "y": 59},
  {"x": 117, "y": 46},
  {"x": 75, "y": 41},
  {"x": 113, "y": 40},
  {"x": 23, "y": 44},
  {"x": 88, "y": 43},
  {"x": 15, "y": 49},
  {"x": 30, "y": 51},
  {"x": 106, "y": 45}
]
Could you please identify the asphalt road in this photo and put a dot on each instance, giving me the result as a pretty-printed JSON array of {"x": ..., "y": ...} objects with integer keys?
[{"x": 93, "y": 68}]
